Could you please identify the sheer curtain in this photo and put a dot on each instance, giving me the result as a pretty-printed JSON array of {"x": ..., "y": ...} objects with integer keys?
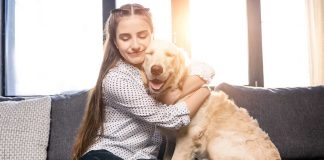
[{"x": 315, "y": 9}]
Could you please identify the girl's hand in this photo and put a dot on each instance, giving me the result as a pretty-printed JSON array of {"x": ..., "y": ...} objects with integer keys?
[{"x": 203, "y": 70}]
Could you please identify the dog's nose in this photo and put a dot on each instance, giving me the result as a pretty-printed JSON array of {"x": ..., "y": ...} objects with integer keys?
[{"x": 156, "y": 70}]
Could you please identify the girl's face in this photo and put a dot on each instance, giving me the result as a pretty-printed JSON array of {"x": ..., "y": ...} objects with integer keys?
[{"x": 133, "y": 35}]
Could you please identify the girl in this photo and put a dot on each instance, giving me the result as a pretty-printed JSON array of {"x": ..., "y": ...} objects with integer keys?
[{"x": 121, "y": 119}]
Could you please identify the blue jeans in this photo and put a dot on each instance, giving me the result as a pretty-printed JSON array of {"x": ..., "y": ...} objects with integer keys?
[{"x": 100, "y": 155}]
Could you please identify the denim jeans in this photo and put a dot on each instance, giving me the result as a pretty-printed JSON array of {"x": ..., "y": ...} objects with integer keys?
[{"x": 100, "y": 155}]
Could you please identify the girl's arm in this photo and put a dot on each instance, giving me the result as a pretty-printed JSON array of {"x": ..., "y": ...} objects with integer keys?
[
  {"x": 191, "y": 84},
  {"x": 194, "y": 101},
  {"x": 201, "y": 73}
]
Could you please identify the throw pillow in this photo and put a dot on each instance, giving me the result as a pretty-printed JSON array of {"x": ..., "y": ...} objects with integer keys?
[{"x": 24, "y": 128}]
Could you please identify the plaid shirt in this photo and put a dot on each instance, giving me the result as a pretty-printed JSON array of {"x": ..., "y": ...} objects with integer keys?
[{"x": 132, "y": 116}]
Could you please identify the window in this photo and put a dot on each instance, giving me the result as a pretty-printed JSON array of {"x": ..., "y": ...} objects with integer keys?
[
  {"x": 219, "y": 38},
  {"x": 212, "y": 35},
  {"x": 284, "y": 43},
  {"x": 52, "y": 46}
]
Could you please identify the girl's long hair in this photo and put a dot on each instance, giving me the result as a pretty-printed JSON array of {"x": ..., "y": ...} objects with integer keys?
[{"x": 94, "y": 115}]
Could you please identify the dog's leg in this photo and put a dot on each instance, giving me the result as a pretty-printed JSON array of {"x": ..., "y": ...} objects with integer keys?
[
  {"x": 184, "y": 149},
  {"x": 228, "y": 148},
  {"x": 186, "y": 143}
]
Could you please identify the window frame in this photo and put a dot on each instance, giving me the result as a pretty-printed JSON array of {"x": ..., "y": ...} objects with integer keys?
[
  {"x": 107, "y": 5},
  {"x": 255, "y": 43},
  {"x": 2, "y": 47}
]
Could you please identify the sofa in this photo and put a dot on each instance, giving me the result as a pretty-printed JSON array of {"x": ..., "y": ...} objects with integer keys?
[{"x": 293, "y": 118}]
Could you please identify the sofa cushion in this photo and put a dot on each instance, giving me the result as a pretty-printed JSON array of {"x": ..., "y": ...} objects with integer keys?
[
  {"x": 293, "y": 117},
  {"x": 24, "y": 128},
  {"x": 66, "y": 115}
]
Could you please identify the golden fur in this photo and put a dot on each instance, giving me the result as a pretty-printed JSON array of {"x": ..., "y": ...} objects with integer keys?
[{"x": 220, "y": 130}]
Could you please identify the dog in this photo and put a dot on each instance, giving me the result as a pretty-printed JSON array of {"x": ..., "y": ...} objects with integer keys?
[{"x": 220, "y": 130}]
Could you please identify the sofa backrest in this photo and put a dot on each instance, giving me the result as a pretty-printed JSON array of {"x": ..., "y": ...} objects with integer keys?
[
  {"x": 66, "y": 115},
  {"x": 293, "y": 117}
]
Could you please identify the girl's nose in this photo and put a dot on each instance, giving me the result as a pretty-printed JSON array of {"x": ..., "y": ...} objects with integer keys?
[{"x": 135, "y": 45}]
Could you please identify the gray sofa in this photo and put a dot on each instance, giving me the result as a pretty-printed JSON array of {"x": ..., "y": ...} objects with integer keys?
[{"x": 293, "y": 118}]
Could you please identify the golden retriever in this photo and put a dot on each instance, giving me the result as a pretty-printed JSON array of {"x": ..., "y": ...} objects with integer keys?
[{"x": 220, "y": 130}]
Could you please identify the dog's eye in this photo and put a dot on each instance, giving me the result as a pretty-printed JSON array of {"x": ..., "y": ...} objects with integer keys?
[
  {"x": 149, "y": 52},
  {"x": 169, "y": 54}
]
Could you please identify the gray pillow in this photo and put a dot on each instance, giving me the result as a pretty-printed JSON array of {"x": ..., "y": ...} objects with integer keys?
[
  {"x": 67, "y": 112},
  {"x": 24, "y": 128},
  {"x": 293, "y": 117}
]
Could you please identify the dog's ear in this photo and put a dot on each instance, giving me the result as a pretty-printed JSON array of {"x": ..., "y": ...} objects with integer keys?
[
  {"x": 143, "y": 75},
  {"x": 182, "y": 66},
  {"x": 144, "y": 78}
]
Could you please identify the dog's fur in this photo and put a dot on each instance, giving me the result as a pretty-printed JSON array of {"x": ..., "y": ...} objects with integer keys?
[{"x": 220, "y": 130}]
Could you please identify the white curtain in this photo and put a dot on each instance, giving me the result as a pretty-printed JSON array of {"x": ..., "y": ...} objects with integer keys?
[{"x": 315, "y": 9}]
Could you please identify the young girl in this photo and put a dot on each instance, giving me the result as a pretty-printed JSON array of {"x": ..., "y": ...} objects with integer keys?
[{"x": 121, "y": 119}]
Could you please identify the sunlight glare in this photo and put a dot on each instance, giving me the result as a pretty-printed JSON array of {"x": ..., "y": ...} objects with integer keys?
[
  {"x": 219, "y": 38},
  {"x": 285, "y": 49},
  {"x": 55, "y": 49}
]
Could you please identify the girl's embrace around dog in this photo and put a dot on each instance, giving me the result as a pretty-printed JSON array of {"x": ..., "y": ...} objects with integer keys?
[{"x": 123, "y": 120}]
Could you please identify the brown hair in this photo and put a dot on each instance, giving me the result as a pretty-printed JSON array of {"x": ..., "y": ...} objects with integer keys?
[{"x": 92, "y": 122}]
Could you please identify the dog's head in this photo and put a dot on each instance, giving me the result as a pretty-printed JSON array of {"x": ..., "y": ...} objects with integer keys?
[{"x": 164, "y": 67}]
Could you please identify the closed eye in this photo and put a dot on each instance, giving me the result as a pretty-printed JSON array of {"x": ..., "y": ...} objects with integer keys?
[
  {"x": 143, "y": 34},
  {"x": 169, "y": 54},
  {"x": 149, "y": 52},
  {"x": 124, "y": 37}
]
